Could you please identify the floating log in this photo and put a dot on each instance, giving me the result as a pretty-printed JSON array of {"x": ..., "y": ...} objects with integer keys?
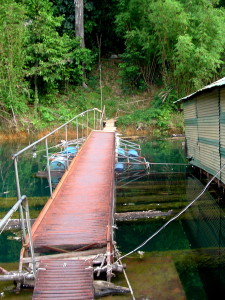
[
  {"x": 15, "y": 276},
  {"x": 135, "y": 215},
  {"x": 126, "y": 216},
  {"x": 104, "y": 288}
]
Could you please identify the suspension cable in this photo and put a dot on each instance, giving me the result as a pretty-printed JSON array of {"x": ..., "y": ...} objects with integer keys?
[{"x": 175, "y": 217}]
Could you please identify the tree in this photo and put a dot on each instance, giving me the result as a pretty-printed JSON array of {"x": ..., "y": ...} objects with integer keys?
[
  {"x": 184, "y": 40},
  {"x": 51, "y": 59},
  {"x": 132, "y": 23},
  {"x": 46, "y": 50},
  {"x": 13, "y": 88}
]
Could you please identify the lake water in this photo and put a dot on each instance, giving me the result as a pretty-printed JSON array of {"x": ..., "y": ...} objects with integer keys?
[{"x": 184, "y": 261}]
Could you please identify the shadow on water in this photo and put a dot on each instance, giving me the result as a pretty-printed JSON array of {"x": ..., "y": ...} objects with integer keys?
[{"x": 184, "y": 261}]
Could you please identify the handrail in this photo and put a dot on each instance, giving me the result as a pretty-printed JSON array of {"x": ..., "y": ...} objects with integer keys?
[
  {"x": 11, "y": 212},
  {"x": 27, "y": 238},
  {"x": 4, "y": 221},
  {"x": 45, "y": 138},
  {"x": 49, "y": 134}
]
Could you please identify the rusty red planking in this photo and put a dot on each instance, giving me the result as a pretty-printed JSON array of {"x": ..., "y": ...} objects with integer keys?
[
  {"x": 81, "y": 210},
  {"x": 64, "y": 279}
]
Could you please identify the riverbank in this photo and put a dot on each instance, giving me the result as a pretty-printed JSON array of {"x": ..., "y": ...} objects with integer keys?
[{"x": 141, "y": 113}]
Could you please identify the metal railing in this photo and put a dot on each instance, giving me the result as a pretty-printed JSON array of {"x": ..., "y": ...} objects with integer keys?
[
  {"x": 22, "y": 204},
  {"x": 96, "y": 122},
  {"x": 79, "y": 123}
]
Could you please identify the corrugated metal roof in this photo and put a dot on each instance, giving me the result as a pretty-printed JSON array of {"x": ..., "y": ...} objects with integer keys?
[{"x": 219, "y": 82}]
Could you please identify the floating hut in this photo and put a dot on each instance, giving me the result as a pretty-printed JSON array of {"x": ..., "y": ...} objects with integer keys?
[{"x": 204, "y": 119}]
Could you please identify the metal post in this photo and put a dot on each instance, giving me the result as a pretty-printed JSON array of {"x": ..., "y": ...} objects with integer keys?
[
  {"x": 67, "y": 158},
  {"x": 48, "y": 167},
  {"x": 100, "y": 81},
  {"x": 87, "y": 123},
  {"x": 98, "y": 121},
  {"x": 77, "y": 131},
  {"x": 30, "y": 235},
  {"x": 19, "y": 196},
  {"x": 94, "y": 119},
  {"x": 82, "y": 127}
]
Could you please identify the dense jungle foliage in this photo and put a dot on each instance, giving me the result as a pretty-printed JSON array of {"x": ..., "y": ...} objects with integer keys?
[{"x": 164, "y": 50}]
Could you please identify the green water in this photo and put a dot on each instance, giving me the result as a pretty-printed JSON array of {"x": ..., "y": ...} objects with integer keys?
[{"x": 185, "y": 261}]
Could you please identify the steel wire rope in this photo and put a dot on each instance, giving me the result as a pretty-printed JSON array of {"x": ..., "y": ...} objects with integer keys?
[
  {"x": 133, "y": 175},
  {"x": 146, "y": 174},
  {"x": 174, "y": 218},
  {"x": 124, "y": 273}
]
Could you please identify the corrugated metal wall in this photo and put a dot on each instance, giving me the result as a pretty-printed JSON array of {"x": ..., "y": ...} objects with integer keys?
[
  {"x": 208, "y": 127},
  {"x": 222, "y": 130},
  {"x": 191, "y": 130},
  {"x": 202, "y": 128}
]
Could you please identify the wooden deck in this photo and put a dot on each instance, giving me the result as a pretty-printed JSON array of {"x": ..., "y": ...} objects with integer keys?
[{"x": 79, "y": 216}]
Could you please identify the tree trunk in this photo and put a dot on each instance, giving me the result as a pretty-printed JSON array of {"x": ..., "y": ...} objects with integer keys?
[
  {"x": 79, "y": 21},
  {"x": 79, "y": 29}
]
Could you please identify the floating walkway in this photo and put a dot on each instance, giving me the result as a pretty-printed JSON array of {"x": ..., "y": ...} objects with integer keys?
[
  {"x": 80, "y": 211},
  {"x": 79, "y": 216}
]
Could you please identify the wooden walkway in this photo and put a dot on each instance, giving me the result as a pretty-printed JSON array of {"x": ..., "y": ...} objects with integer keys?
[{"x": 79, "y": 215}]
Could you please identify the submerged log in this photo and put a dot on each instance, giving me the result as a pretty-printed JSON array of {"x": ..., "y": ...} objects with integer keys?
[
  {"x": 135, "y": 215},
  {"x": 104, "y": 288}
]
